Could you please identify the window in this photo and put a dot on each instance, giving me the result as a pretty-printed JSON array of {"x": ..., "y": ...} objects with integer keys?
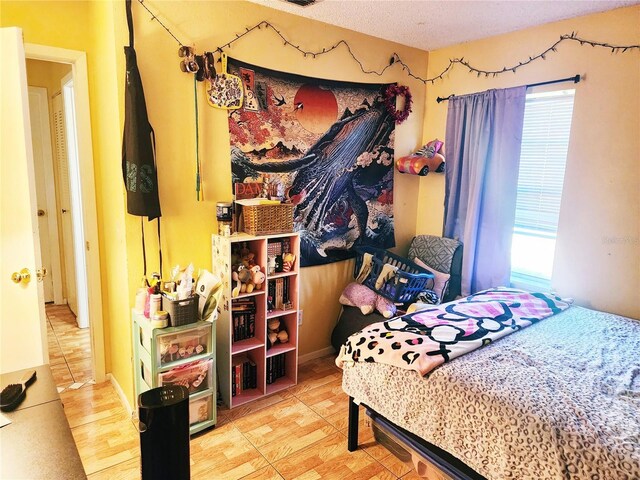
[{"x": 545, "y": 140}]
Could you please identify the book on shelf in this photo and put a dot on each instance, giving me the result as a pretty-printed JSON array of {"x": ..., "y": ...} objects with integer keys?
[
  {"x": 274, "y": 247},
  {"x": 275, "y": 368},
  {"x": 285, "y": 291},
  {"x": 253, "y": 371},
  {"x": 244, "y": 375},
  {"x": 243, "y": 314},
  {"x": 236, "y": 374},
  {"x": 279, "y": 301}
]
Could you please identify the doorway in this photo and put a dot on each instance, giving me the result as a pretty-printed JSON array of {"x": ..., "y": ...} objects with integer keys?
[
  {"x": 59, "y": 207},
  {"x": 73, "y": 296}
]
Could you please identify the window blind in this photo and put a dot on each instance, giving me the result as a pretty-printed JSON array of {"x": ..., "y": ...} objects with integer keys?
[{"x": 545, "y": 140}]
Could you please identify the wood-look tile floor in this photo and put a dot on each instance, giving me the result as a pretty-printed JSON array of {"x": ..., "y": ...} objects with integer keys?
[
  {"x": 69, "y": 348},
  {"x": 299, "y": 433}
]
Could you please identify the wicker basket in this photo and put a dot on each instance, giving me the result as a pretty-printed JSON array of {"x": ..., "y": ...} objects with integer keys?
[
  {"x": 268, "y": 219},
  {"x": 181, "y": 312}
]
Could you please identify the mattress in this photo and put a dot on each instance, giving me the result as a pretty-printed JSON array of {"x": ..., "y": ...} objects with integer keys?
[{"x": 560, "y": 399}]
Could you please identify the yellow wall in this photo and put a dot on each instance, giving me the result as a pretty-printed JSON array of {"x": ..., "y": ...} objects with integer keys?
[
  {"x": 597, "y": 257},
  {"x": 90, "y": 27},
  {"x": 186, "y": 224},
  {"x": 99, "y": 28}
]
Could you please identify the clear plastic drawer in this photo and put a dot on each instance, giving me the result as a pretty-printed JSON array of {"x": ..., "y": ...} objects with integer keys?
[
  {"x": 200, "y": 409},
  {"x": 181, "y": 345},
  {"x": 196, "y": 376}
]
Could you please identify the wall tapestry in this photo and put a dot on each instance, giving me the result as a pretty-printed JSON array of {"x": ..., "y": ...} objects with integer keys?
[{"x": 328, "y": 146}]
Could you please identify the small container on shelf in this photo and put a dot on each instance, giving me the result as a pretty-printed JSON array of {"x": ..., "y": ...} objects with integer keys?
[
  {"x": 181, "y": 312},
  {"x": 224, "y": 215},
  {"x": 160, "y": 319}
]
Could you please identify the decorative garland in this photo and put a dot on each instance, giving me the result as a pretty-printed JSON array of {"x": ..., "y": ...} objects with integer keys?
[
  {"x": 391, "y": 93},
  {"x": 395, "y": 58}
]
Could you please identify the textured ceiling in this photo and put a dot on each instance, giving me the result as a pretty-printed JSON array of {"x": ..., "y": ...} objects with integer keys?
[{"x": 433, "y": 24}]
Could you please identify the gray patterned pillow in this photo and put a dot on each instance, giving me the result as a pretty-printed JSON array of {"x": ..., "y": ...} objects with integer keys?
[{"x": 437, "y": 252}]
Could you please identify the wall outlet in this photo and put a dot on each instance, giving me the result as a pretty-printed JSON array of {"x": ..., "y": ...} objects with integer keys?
[{"x": 299, "y": 317}]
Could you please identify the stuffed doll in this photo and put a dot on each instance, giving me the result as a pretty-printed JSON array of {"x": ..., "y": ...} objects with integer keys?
[{"x": 357, "y": 295}]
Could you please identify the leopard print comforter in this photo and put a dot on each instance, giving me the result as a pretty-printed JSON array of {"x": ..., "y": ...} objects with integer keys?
[{"x": 558, "y": 400}]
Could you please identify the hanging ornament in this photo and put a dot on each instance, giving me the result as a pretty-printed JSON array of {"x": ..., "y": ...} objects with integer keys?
[
  {"x": 391, "y": 94},
  {"x": 225, "y": 90}
]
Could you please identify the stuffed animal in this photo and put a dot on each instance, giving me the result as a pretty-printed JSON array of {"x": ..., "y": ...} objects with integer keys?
[
  {"x": 276, "y": 332},
  {"x": 257, "y": 277},
  {"x": 358, "y": 295},
  {"x": 242, "y": 276},
  {"x": 288, "y": 260},
  {"x": 247, "y": 279}
]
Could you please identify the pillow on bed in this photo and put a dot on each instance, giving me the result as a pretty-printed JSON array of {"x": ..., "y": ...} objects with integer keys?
[{"x": 440, "y": 280}]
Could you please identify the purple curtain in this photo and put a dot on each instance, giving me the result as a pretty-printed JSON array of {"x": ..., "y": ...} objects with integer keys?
[{"x": 484, "y": 133}]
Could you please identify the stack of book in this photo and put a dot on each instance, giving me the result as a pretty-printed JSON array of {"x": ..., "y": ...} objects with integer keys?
[
  {"x": 244, "y": 375},
  {"x": 275, "y": 368},
  {"x": 243, "y": 313},
  {"x": 278, "y": 290}
]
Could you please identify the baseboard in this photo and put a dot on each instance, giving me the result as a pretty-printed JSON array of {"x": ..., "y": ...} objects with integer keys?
[
  {"x": 123, "y": 397},
  {"x": 317, "y": 354}
]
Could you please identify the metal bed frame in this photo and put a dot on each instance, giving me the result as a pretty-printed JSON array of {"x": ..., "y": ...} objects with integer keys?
[{"x": 446, "y": 462}]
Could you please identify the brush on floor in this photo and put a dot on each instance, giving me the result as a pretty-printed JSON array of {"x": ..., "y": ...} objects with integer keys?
[{"x": 13, "y": 394}]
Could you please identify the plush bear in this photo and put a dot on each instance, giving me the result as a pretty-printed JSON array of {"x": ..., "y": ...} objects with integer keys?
[
  {"x": 257, "y": 277},
  {"x": 242, "y": 276},
  {"x": 358, "y": 295},
  {"x": 276, "y": 332}
]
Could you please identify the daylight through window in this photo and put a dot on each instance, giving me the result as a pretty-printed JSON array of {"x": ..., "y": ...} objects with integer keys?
[{"x": 545, "y": 140}]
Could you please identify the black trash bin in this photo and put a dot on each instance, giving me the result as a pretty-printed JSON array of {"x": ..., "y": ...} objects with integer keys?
[{"x": 164, "y": 433}]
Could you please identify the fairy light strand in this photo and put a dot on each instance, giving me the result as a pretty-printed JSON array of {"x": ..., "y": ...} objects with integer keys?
[
  {"x": 155, "y": 17},
  {"x": 395, "y": 58}
]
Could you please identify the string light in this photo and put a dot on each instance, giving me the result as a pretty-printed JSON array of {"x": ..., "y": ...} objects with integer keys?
[
  {"x": 154, "y": 17},
  {"x": 395, "y": 59}
]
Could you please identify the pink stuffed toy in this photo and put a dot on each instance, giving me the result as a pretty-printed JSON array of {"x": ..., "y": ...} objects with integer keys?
[
  {"x": 385, "y": 306},
  {"x": 357, "y": 295}
]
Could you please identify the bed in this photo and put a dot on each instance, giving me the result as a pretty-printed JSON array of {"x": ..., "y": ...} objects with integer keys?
[{"x": 559, "y": 399}]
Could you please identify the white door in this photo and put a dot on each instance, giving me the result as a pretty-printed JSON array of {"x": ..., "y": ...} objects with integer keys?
[
  {"x": 45, "y": 192},
  {"x": 62, "y": 161},
  {"x": 23, "y": 341},
  {"x": 75, "y": 184}
]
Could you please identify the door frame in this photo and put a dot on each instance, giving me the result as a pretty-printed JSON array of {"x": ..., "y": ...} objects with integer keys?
[
  {"x": 78, "y": 61},
  {"x": 42, "y": 97}
]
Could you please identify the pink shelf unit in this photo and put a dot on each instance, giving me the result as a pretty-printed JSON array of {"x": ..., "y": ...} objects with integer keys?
[{"x": 254, "y": 348}]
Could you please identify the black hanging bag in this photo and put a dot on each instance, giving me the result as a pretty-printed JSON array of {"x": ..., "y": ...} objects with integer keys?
[{"x": 138, "y": 143}]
